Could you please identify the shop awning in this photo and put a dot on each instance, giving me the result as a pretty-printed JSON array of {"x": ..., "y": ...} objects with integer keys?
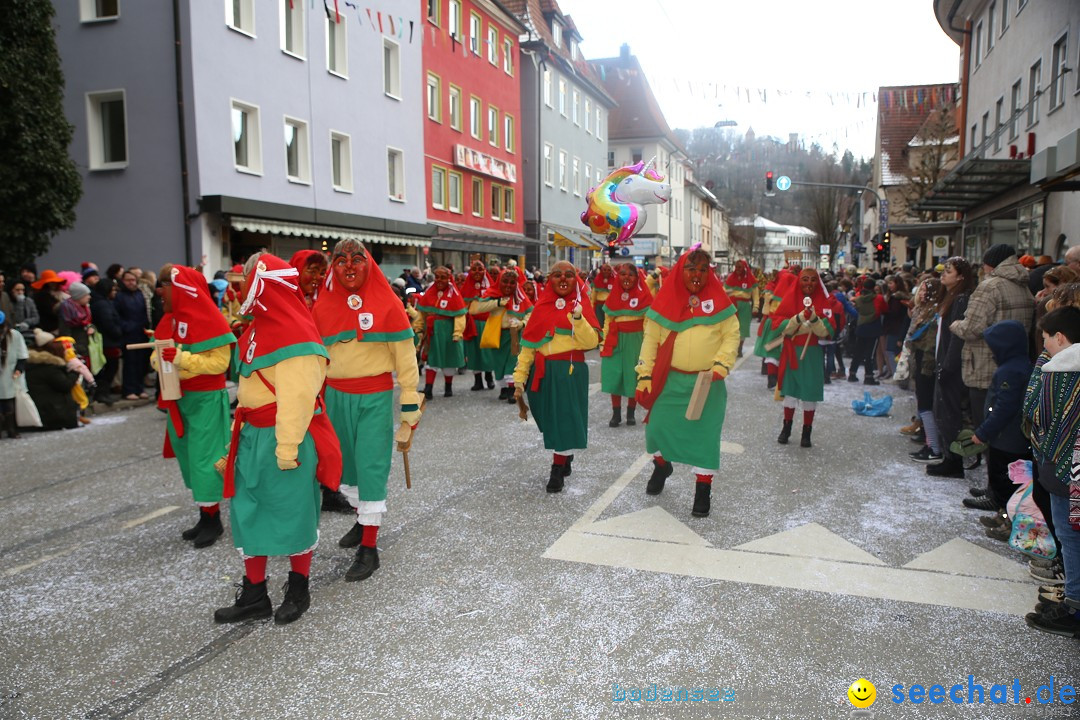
[
  {"x": 974, "y": 181},
  {"x": 574, "y": 240},
  {"x": 324, "y": 232}
]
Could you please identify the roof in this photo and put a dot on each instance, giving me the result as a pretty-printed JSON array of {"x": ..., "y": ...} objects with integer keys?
[
  {"x": 638, "y": 115},
  {"x": 759, "y": 223},
  {"x": 975, "y": 181},
  {"x": 902, "y": 112},
  {"x": 799, "y": 230}
]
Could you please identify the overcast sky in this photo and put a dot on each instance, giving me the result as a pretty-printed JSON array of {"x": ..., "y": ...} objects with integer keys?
[{"x": 810, "y": 67}]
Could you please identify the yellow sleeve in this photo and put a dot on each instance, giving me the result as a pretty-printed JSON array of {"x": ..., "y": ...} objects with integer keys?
[
  {"x": 585, "y": 335},
  {"x": 209, "y": 362},
  {"x": 479, "y": 307},
  {"x": 649, "y": 346},
  {"x": 729, "y": 345},
  {"x": 755, "y": 296},
  {"x": 607, "y": 324},
  {"x": 524, "y": 364},
  {"x": 459, "y": 326},
  {"x": 298, "y": 381},
  {"x": 408, "y": 375},
  {"x": 418, "y": 322}
]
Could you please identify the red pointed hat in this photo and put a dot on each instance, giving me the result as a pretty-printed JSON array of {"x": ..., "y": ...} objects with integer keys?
[
  {"x": 281, "y": 326},
  {"x": 636, "y": 301},
  {"x": 373, "y": 313},
  {"x": 521, "y": 304},
  {"x": 442, "y": 302},
  {"x": 600, "y": 282},
  {"x": 548, "y": 319},
  {"x": 677, "y": 309},
  {"x": 471, "y": 290},
  {"x": 825, "y": 305},
  {"x": 740, "y": 277},
  {"x": 197, "y": 322}
]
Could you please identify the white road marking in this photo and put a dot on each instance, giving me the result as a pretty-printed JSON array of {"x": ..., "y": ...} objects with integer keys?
[
  {"x": 19, "y": 568},
  {"x": 147, "y": 518}
]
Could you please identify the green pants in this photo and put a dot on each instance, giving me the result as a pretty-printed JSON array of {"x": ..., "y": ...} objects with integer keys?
[
  {"x": 364, "y": 424},
  {"x": 693, "y": 442},
  {"x": 206, "y": 440}
]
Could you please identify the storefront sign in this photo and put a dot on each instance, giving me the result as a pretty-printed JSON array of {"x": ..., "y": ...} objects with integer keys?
[{"x": 483, "y": 163}]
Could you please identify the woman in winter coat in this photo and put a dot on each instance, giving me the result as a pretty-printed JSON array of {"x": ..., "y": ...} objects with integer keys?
[
  {"x": 26, "y": 315},
  {"x": 894, "y": 324},
  {"x": 922, "y": 338},
  {"x": 12, "y": 366},
  {"x": 107, "y": 322},
  {"x": 134, "y": 320},
  {"x": 49, "y": 382}
]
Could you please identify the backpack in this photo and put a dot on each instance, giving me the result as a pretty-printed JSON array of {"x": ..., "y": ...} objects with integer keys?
[{"x": 1030, "y": 534}]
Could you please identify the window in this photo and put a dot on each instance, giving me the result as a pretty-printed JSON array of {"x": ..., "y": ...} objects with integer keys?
[
  {"x": 454, "y": 24},
  {"x": 588, "y": 174},
  {"x": 562, "y": 170},
  {"x": 588, "y": 116},
  {"x": 999, "y": 119},
  {"x": 985, "y": 128},
  {"x": 94, "y": 10},
  {"x": 990, "y": 13},
  {"x": 496, "y": 201},
  {"x": 454, "y": 191},
  {"x": 636, "y": 155},
  {"x": 974, "y": 134},
  {"x": 391, "y": 68},
  {"x": 455, "y": 108},
  {"x": 549, "y": 163},
  {"x": 1034, "y": 92},
  {"x": 341, "y": 161},
  {"x": 599, "y": 132},
  {"x": 562, "y": 97},
  {"x": 598, "y": 177},
  {"x": 395, "y": 174},
  {"x": 577, "y": 177},
  {"x": 508, "y": 204},
  {"x": 493, "y": 125},
  {"x": 438, "y": 187},
  {"x": 1057, "y": 73},
  {"x": 474, "y": 118},
  {"x": 1020, "y": 5},
  {"x": 434, "y": 98},
  {"x": 1004, "y": 16},
  {"x": 508, "y": 56},
  {"x": 978, "y": 42},
  {"x": 240, "y": 16},
  {"x": 547, "y": 87},
  {"x": 292, "y": 28},
  {"x": 297, "y": 153},
  {"x": 575, "y": 101},
  {"x": 611, "y": 158},
  {"x": 477, "y": 197},
  {"x": 247, "y": 144},
  {"x": 337, "y": 47},
  {"x": 475, "y": 33},
  {"x": 433, "y": 11},
  {"x": 508, "y": 132},
  {"x": 573, "y": 49},
  {"x": 1016, "y": 98},
  {"x": 107, "y": 127},
  {"x": 556, "y": 33},
  {"x": 493, "y": 45}
]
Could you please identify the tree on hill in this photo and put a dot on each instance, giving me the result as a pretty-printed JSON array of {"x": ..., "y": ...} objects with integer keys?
[{"x": 39, "y": 183}]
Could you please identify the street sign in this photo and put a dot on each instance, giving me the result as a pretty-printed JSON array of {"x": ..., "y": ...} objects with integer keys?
[
  {"x": 624, "y": 251},
  {"x": 783, "y": 183},
  {"x": 824, "y": 250},
  {"x": 941, "y": 245}
]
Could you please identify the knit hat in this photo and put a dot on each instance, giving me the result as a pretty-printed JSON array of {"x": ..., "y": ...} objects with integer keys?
[
  {"x": 77, "y": 290},
  {"x": 89, "y": 272},
  {"x": 997, "y": 254},
  {"x": 42, "y": 338}
]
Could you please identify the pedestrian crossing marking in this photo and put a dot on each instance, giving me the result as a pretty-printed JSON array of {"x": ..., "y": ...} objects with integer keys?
[
  {"x": 654, "y": 523},
  {"x": 958, "y": 557},
  {"x": 811, "y": 540}
]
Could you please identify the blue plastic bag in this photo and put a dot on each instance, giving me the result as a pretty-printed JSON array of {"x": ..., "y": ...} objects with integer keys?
[{"x": 872, "y": 408}]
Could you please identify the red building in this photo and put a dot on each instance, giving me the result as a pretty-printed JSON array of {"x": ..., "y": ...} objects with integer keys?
[{"x": 472, "y": 135}]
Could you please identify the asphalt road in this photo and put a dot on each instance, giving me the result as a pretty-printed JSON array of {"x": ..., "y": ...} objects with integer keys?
[{"x": 816, "y": 568}]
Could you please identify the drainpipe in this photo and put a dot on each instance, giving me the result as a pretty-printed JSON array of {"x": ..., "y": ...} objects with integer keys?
[{"x": 178, "y": 59}]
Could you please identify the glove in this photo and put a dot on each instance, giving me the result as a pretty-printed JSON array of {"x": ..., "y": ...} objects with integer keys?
[
  {"x": 519, "y": 392},
  {"x": 719, "y": 372},
  {"x": 514, "y": 323},
  {"x": 644, "y": 386},
  {"x": 456, "y": 337},
  {"x": 168, "y": 354},
  {"x": 411, "y": 416},
  {"x": 221, "y": 464},
  {"x": 287, "y": 464},
  {"x": 577, "y": 313}
]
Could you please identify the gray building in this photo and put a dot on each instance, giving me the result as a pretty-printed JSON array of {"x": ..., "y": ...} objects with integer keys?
[
  {"x": 212, "y": 128},
  {"x": 564, "y": 132}
]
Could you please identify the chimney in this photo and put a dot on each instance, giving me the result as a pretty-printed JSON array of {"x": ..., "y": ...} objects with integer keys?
[{"x": 624, "y": 52}]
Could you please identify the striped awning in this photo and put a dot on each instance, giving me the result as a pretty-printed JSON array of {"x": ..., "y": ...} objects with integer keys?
[
  {"x": 324, "y": 232},
  {"x": 574, "y": 240}
]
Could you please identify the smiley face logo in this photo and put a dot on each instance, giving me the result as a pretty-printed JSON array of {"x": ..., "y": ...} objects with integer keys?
[{"x": 862, "y": 693}]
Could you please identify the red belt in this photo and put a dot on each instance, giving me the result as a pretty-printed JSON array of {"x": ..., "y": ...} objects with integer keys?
[
  {"x": 541, "y": 361},
  {"x": 203, "y": 383},
  {"x": 614, "y": 328},
  {"x": 362, "y": 385},
  {"x": 199, "y": 383}
]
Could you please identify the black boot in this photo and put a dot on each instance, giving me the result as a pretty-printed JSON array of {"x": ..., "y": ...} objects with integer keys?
[
  {"x": 616, "y": 417},
  {"x": 785, "y": 433},
  {"x": 702, "y": 495},
  {"x": 364, "y": 565},
  {"x": 764, "y": 368},
  {"x": 11, "y": 425},
  {"x": 772, "y": 380},
  {"x": 448, "y": 388},
  {"x": 869, "y": 379},
  {"x": 805, "y": 442},
  {"x": 489, "y": 378},
  {"x": 478, "y": 381},
  {"x": 211, "y": 530},
  {"x": 252, "y": 602},
  {"x": 296, "y": 600},
  {"x": 504, "y": 392},
  {"x": 352, "y": 538},
  {"x": 557, "y": 479},
  {"x": 427, "y": 390},
  {"x": 951, "y": 467},
  {"x": 510, "y": 396},
  {"x": 568, "y": 469},
  {"x": 630, "y": 419},
  {"x": 661, "y": 472},
  {"x": 192, "y": 531},
  {"x": 335, "y": 501}
]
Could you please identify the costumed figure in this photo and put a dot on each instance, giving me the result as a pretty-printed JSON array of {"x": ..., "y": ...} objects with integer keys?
[
  {"x": 476, "y": 283},
  {"x": 506, "y": 308},
  {"x": 691, "y": 337},
  {"x": 282, "y": 443},
  {"x": 623, "y": 333},
  {"x": 769, "y": 341},
  {"x": 443, "y": 320},
  {"x": 369, "y": 337},
  {"x": 551, "y": 368},
  {"x": 602, "y": 285},
  {"x": 806, "y": 315},
  {"x": 741, "y": 285},
  {"x": 197, "y": 429}
]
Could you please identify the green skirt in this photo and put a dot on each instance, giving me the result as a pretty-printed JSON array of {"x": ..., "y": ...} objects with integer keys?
[
  {"x": 478, "y": 359},
  {"x": 617, "y": 376},
  {"x": 768, "y": 334},
  {"x": 561, "y": 405},
  {"x": 364, "y": 425},
  {"x": 443, "y": 352},
  {"x": 807, "y": 383},
  {"x": 693, "y": 442},
  {"x": 503, "y": 361},
  {"x": 206, "y": 440},
  {"x": 274, "y": 512},
  {"x": 742, "y": 311}
]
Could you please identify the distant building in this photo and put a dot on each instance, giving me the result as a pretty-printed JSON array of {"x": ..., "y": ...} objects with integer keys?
[{"x": 763, "y": 243}]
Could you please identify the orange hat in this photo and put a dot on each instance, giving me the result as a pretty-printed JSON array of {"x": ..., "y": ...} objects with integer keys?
[
  {"x": 1028, "y": 261},
  {"x": 49, "y": 276}
]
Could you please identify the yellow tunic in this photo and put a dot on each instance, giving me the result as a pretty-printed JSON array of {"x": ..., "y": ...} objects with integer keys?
[
  {"x": 353, "y": 359},
  {"x": 698, "y": 348},
  {"x": 584, "y": 337},
  {"x": 214, "y": 361},
  {"x": 297, "y": 381}
]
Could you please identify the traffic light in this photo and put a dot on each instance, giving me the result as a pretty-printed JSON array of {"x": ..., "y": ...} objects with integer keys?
[
  {"x": 879, "y": 252},
  {"x": 768, "y": 181}
]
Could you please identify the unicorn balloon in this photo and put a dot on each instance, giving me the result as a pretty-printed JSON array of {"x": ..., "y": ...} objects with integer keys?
[{"x": 617, "y": 205}]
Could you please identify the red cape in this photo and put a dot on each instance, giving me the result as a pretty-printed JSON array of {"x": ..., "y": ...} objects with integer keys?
[
  {"x": 547, "y": 319},
  {"x": 674, "y": 308},
  {"x": 373, "y": 313},
  {"x": 740, "y": 277},
  {"x": 521, "y": 304},
  {"x": 196, "y": 321},
  {"x": 636, "y": 302}
]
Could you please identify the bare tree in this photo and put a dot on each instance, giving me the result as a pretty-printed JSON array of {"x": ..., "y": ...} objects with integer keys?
[{"x": 931, "y": 154}]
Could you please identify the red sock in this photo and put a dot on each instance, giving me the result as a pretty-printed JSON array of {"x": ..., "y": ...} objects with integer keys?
[
  {"x": 616, "y": 401},
  {"x": 449, "y": 379},
  {"x": 255, "y": 569},
  {"x": 301, "y": 563},
  {"x": 658, "y": 459},
  {"x": 370, "y": 532},
  {"x": 558, "y": 459},
  {"x": 211, "y": 510},
  {"x": 631, "y": 403},
  {"x": 429, "y": 376},
  {"x": 789, "y": 414},
  {"x": 807, "y": 417},
  {"x": 707, "y": 479}
]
